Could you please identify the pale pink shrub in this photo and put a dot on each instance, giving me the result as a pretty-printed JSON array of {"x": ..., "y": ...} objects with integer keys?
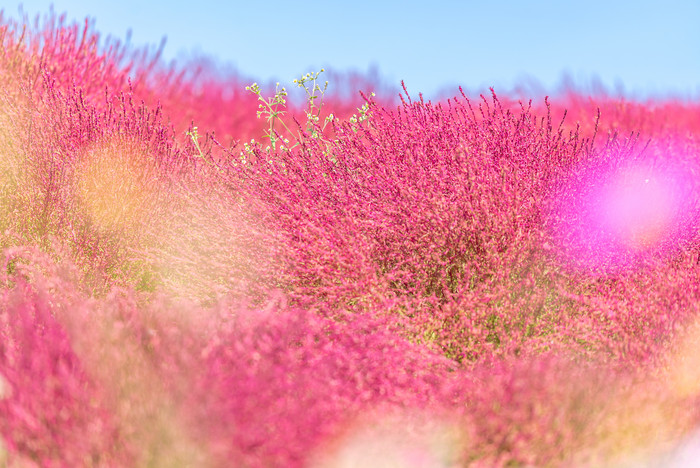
[{"x": 557, "y": 410}]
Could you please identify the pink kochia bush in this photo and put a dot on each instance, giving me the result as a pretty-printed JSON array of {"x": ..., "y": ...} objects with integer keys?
[
  {"x": 472, "y": 282},
  {"x": 52, "y": 411}
]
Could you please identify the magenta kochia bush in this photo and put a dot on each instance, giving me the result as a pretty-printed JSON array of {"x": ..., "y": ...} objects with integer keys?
[
  {"x": 52, "y": 412},
  {"x": 167, "y": 381},
  {"x": 435, "y": 213},
  {"x": 281, "y": 381}
]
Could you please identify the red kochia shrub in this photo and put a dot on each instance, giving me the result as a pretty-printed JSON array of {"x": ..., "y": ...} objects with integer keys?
[
  {"x": 424, "y": 209},
  {"x": 275, "y": 384}
]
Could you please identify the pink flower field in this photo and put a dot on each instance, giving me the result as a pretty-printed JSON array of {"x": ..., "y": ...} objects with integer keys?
[{"x": 375, "y": 281}]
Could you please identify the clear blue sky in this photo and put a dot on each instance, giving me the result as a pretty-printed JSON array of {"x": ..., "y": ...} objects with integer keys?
[{"x": 650, "y": 47}]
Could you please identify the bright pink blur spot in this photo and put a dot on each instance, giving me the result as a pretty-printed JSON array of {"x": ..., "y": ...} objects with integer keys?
[
  {"x": 613, "y": 217},
  {"x": 638, "y": 208}
]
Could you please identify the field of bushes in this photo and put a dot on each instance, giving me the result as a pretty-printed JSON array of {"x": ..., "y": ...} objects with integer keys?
[{"x": 199, "y": 274}]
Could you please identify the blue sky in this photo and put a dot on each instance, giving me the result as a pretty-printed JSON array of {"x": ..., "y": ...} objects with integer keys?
[{"x": 642, "y": 47}]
